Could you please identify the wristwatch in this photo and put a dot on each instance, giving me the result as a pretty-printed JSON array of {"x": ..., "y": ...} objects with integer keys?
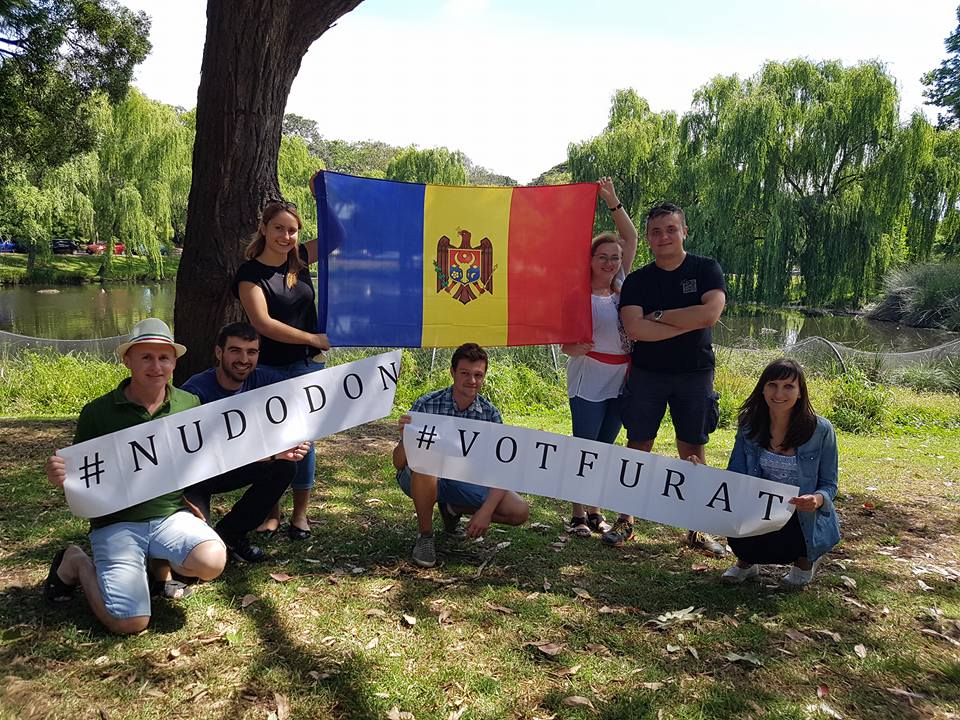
[{"x": 657, "y": 315}]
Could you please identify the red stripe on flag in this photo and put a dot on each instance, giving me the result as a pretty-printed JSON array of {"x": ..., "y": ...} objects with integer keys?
[{"x": 549, "y": 264}]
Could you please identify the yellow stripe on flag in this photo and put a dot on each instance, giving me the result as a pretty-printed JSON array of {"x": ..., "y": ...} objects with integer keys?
[{"x": 465, "y": 311}]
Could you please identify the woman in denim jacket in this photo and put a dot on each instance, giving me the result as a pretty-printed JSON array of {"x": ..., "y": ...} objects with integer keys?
[{"x": 780, "y": 438}]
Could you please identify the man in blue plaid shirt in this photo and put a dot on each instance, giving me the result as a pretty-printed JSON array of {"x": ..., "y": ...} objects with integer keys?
[{"x": 468, "y": 367}]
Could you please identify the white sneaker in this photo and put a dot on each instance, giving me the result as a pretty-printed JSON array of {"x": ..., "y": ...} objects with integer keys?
[
  {"x": 797, "y": 577},
  {"x": 736, "y": 574}
]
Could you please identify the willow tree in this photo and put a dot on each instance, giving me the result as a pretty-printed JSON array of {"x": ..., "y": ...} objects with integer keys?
[
  {"x": 438, "y": 166},
  {"x": 143, "y": 156},
  {"x": 251, "y": 56},
  {"x": 934, "y": 218},
  {"x": 295, "y": 167},
  {"x": 638, "y": 149},
  {"x": 803, "y": 165}
]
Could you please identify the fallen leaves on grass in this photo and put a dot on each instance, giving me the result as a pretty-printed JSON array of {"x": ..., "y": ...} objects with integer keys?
[
  {"x": 376, "y": 612},
  {"x": 283, "y": 706},
  {"x": 822, "y": 691},
  {"x": 821, "y": 708},
  {"x": 796, "y": 635},
  {"x": 578, "y": 701},
  {"x": 500, "y": 608},
  {"x": 280, "y": 577},
  {"x": 848, "y": 581},
  {"x": 828, "y": 634},
  {"x": 581, "y": 593},
  {"x": 372, "y": 644},
  {"x": 572, "y": 670},
  {"x": 395, "y": 713},
  {"x": 409, "y": 620},
  {"x": 550, "y": 649},
  {"x": 248, "y": 600},
  {"x": 746, "y": 658},
  {"x": 677, "y": 617},
  {"x": 860, "y": 651}
]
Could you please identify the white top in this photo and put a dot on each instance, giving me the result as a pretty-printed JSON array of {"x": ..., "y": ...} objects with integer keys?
[{"x": 591, "y": 379}]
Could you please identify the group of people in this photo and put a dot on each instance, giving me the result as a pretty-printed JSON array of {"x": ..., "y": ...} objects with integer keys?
[{"x": 651, "y": 349}]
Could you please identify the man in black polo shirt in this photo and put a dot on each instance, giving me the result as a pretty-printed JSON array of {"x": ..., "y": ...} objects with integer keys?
[{"x": 668, "y": 309}]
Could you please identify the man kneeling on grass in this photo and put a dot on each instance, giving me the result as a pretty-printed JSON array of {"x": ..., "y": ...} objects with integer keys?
[
  {"x": 149, "y": 540},
  {"x": 468, "y": 366}
]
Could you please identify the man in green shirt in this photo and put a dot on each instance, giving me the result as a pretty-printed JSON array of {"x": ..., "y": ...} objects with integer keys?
[{"x": 154, "y": 537}]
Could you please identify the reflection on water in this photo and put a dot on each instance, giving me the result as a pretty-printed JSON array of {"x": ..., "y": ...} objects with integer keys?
[
  {"x": 749, "y": 327},
  {"x": 85, "y": 311},
  {"x": 91, "y": 311}
]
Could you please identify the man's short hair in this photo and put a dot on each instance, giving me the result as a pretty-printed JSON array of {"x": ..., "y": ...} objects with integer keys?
[
  {"x": 471, "y": 352},
  {"x": 242, "y": 330},
  {"x": 666, "y": 209}
]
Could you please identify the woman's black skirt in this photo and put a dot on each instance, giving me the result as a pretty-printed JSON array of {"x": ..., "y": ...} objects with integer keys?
[{"x": 781, "y": 547}]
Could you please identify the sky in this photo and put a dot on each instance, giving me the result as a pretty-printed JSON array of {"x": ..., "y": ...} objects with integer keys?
[{"x": 512, "y": 82}]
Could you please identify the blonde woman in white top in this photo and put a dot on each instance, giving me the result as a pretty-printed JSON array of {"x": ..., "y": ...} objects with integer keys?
[{"x": 596, "y": 371}]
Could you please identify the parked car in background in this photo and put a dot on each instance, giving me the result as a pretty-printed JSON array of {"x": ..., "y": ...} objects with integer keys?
[
  {"x": 12, "y": 246},
  {"x": 63, "y": 246},
  {"x": 98, "y": 248}
]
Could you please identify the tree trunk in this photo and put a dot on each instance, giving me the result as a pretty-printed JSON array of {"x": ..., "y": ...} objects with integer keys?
[{"x": 252, "y": 54}]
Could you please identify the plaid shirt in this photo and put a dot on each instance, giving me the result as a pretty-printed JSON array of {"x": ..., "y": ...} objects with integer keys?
[{"x": 440, "y": 402}]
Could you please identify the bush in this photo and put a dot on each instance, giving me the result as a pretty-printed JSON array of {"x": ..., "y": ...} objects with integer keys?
[
  {"x": 858, "y": 403},
  {"x": 47, "y": 383},
  {"x": 922, "y": 296}
]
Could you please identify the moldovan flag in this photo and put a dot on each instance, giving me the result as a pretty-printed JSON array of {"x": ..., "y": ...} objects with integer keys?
[{"x": 411, "y": 265}]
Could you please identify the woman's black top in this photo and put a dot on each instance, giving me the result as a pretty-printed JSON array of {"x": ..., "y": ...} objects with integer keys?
[{"x": 294, "y": 306}]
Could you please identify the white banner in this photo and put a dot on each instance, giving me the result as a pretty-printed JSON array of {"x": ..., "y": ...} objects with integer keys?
[
  {"x": 127, "y": 467},
  {"x": 653, "y": 487}
]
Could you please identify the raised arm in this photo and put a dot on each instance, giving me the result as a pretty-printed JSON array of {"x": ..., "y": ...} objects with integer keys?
[{"x": 622, "y": 221}]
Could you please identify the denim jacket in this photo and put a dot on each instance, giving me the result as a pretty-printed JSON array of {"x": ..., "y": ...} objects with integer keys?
[{"x": 817, "y": 460}]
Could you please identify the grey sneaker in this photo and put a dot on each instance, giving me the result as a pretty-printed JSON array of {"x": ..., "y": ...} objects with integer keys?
[
  {"x": 424, "y": 551},
  {"x": 621, "y": 531},
  {"x": 707, "y": 543},
  {"x": 451, "y": 521}
]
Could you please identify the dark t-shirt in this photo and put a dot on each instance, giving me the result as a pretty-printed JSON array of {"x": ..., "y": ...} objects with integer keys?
[
  {"x": 205, "y": 386},
  {"x": 294, "y": 306},
  {"x": 653, "y": 288}
]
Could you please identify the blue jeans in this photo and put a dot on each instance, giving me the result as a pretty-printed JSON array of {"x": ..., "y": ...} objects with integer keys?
[
  {"x": 452, "y": 492},
  {"x": 598, "y": 421},
  {"x": 306, "y": 468}
]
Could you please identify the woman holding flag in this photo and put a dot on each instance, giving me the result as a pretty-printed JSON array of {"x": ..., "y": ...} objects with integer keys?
[
  {"x": 596, "y": 370},
  {"x": 277, "y": 293}
]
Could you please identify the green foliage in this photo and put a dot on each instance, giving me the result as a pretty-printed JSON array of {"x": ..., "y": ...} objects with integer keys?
[
  {"x": 858, "y": 403},
  {"x": 437, "y": 166},
  {"x": 638, "y": 149},
  {"x": 803, "y": 165},
  {"x": 557, "y": 175},
  {"x": 295, "y": 167},
  {"x": 56, "y": 56},
  {"x": 926, "y": 295},
  {"x": 35, "y": 383},
  {"x": 943, "y": 83},
  {"x": 939, "y": 376}
]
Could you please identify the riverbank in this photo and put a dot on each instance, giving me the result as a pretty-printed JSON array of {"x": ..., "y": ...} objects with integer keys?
[{"x": 80, "y": 269}]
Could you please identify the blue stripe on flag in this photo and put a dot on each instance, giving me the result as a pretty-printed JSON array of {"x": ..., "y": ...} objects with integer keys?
[{"x": 371, "y": 242}]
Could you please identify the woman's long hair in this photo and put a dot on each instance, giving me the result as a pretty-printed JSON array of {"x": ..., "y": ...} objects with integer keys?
[
  {"x": 258, "y": 240},
  {"x": 602, "y": 239},
  {"x": 754, "y": 415}
]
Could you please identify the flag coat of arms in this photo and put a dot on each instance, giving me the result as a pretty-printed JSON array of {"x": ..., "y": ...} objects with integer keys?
[{"x": 413, "y": 265}]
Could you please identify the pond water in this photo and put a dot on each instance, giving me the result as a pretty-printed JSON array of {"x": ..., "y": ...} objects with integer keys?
[{"x": 90, "y": 311}]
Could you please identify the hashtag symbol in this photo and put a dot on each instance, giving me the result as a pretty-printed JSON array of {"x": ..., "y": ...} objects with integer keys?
[
  {"x": 96, "y": 466},
  {"x": 426, "y": 437}
]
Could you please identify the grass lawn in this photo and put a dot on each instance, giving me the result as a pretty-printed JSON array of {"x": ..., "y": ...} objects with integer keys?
[
  {"x": 526, "y": 624},
  {"x": 77, "y": 269}
]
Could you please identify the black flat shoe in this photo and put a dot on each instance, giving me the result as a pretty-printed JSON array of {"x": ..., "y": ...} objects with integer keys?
[
  {"x": 55, "y": 589},
  {"x": 295, "y": 533}
]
